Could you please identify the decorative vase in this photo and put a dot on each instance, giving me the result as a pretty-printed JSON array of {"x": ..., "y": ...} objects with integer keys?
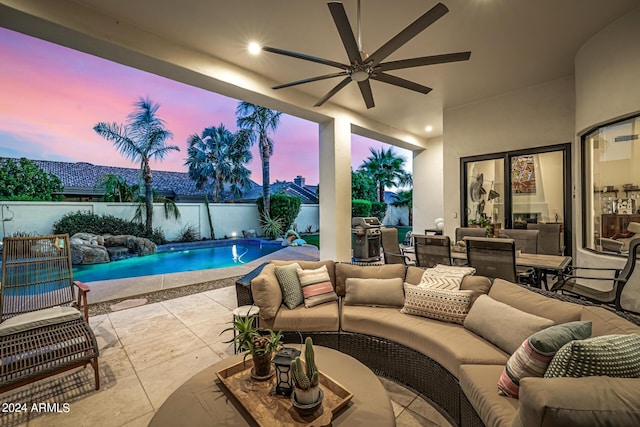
[{"x": 262, "y": 365}]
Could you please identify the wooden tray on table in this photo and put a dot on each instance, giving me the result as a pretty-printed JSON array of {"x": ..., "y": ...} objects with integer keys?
[{"x": 264, "y": 406}]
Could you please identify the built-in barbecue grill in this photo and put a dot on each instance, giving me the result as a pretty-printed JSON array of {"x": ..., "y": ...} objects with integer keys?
[{"x": 366, "y": 236}]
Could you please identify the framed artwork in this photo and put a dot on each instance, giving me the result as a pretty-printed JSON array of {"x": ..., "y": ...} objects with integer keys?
[{"x": 523, "y": 175}]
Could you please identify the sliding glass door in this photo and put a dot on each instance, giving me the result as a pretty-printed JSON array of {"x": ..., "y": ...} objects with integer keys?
[{"x": 513, "y": 189}]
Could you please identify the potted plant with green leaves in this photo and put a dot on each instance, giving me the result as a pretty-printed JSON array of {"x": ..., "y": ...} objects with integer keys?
[
  {"x": 257, "y": 342},
  {"x": 306, "y": 395}
]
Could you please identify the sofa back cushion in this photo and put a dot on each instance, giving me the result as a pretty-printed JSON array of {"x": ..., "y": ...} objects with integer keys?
[
  {"x": 540, "y": 305},
  {"x": 502, "y": 325},
  {"x": 413, "y": 275},
  {"x": 480, "y": 285},
  {"x": 607, "y": 323},
  {"x": 374, "y": 292},
  {"x": 266, "y": 292},
  {"x": 345, "y": 271}
]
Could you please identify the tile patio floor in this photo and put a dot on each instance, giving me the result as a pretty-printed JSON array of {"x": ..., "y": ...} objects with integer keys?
[{"x": 146, "y": 353}]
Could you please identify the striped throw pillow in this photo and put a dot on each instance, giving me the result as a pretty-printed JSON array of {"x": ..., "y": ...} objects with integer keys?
[
  {"x": 535, "y": 353},
  {"x": 316, "y": 286},
  {"x": 607, "y": 355},
  {"x": 440, "y": 304}
]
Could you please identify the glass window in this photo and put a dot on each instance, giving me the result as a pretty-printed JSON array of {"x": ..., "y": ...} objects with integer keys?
[
  {"x": 485, "y": 193},
  {"x": 612, "y": 185}
]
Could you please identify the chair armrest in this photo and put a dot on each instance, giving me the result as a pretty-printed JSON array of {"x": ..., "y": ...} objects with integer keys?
[
  {"x": 83, "y": 289},
  {"x": 573, "y": 401}
]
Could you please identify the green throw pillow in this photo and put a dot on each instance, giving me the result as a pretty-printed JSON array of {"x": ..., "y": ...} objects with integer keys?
[
  {"x": 290, "y": 285},
  {"x": 607, "y": 355}
]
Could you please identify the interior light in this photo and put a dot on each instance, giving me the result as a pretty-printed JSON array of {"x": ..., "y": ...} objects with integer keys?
[
  {"x": 429, "y": 128},
  {"x": 254, "y": 48}
]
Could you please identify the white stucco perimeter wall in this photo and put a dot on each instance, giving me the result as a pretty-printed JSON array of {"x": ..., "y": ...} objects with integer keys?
[
  {"x": 531, "y": 117},
  {"x": 39, "y": 217},
  {"x": 607, "y": 88}
]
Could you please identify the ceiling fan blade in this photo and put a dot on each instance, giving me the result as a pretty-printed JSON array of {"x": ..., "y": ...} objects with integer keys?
[
  {"x": 333, "y": 91},
  {"x": 365, "y": 89},
  {"x": 305, "y": 57},
  {"x": 435, "y": 13},
  {"x": 345, "y": 31},
  {"x": 311, "y": 79},
  {"x": 425, "y": 60},
  {"x": 397, "y": 81}
]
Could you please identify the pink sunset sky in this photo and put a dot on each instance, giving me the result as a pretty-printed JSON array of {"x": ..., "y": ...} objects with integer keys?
[{"x": 52, "y": 96}]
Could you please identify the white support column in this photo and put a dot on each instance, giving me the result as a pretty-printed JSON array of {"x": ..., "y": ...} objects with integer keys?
[{"x": 335, "y": 189}]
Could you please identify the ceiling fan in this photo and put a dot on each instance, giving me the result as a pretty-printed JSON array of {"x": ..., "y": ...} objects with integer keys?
[{"x": 362, "y": 67}]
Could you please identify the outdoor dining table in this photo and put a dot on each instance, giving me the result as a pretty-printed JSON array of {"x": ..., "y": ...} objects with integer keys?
[{"x": 541, "y": 263}]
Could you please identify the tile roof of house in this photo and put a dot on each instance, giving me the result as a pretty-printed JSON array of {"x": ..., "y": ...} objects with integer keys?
[{"x": 82, "y": 178}]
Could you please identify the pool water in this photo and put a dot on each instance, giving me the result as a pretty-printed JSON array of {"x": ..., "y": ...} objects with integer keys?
[{"x": 178, "y": 258}]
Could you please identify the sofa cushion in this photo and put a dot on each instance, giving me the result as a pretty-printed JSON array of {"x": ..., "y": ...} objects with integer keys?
[
  {"x": 323, "y": 317},
  {"x": 610, "y": 355},
  {"x": 374, "y": 292},
  {"x": 413, "y": 275},
  {"x": 531, "y": 302},
  {"x": 440, "y": 304},
  {"x": 604, "y": 322},
  {"x": 480, "y": 285},
  {"x": 290, "y": 284},
  {"x": 532, "y": 358},
  {"x": 345, "y": 271},
  {"x": 316, "y": 286},
  {"x": 589, "y": 401},
  {"x": 478, "y": 383},
  {"x": 501, "y": 324},
  {"x": 37, "y": 319},
  {"x": 448, "y": 344},
  {"x": 266, "y": 292}
]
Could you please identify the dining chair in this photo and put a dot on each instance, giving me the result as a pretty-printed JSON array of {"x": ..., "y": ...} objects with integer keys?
[
  {"x": 391, "y": 247},
  {"x": 549, "y": 239},
  {"x": 462, "y": 232},
  {"x": 492, "y": 257},
  {"x": 526, "y": 240},
  {"x": 613, "y": 286},
  {"x": 432, "y": 250}
]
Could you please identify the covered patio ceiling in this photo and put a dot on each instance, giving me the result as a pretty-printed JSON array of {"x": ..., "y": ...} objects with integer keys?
[{"x": 513, "y": 45}]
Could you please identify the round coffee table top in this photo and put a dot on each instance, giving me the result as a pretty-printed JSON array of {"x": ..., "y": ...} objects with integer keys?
[{"x": 204, "y": 401}]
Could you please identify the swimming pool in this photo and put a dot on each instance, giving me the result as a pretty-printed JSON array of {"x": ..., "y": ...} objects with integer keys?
[{"x": 180, "y": 257}]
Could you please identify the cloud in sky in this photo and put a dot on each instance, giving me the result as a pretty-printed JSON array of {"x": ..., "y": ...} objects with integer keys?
[{"x": 52, "y": 96}]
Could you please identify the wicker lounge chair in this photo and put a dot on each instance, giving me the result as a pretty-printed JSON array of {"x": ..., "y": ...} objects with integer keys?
[
  {"x": 41, "y": 332},
  {"x": 432, "y": 250}
]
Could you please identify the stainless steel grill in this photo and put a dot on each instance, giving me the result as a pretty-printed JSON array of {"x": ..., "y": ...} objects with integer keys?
[{"x": 366, "y": 238}]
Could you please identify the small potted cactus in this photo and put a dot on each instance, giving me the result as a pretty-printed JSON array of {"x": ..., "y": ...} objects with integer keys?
[{"x": 305, "y": 378}]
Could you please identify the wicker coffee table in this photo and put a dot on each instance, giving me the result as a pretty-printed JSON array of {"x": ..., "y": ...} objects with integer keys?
[{"x": 204, "y": 401}]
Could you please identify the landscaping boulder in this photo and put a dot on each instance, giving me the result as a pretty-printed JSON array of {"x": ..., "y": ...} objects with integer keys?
[
  {"x": 86, "y": 248},
  {"x": 137, "y": 245}
]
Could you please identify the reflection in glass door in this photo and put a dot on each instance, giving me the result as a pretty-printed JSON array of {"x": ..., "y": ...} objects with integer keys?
[{"x": 485, "y": 190}]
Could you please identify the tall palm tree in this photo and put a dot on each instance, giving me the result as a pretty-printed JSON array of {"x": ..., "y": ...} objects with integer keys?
[
  {"x": 386, "y": 169},
  {"x": 219, "y": 155},
  {"x": 258, "y": 121},
  {"x": 141, "y": 139}
]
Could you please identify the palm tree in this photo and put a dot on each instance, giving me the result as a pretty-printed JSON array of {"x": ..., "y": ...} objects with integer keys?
[
  {"x": 115, "y": 189},
  {"x": 219, "y": 155},
  {"x": 386, "y": 169},
  {"x": 141, "y": 139},
  {"x": 405, "y": 198},
  {"x": 258, "y": 121}
]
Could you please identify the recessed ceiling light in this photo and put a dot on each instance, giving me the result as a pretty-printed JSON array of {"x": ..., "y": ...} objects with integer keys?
[
  {"x": 254, "y": 48},
  {"x": 429, "y": 128}
]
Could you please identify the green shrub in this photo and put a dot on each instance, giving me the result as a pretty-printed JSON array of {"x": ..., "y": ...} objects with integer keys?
[
  {"x": 360, "y": 207},
  {"x": 379, "y": 210},
  {"x": 87, "y": 222},
  {"x": 24, "y": 180},
  {"x": 189, "y": 234},
  {"x": 284, "y": 207}
]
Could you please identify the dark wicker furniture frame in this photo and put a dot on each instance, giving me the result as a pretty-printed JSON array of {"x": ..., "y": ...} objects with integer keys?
[
  {"x": 402, "y": 364},
  {"x": 37, "y": 274}
]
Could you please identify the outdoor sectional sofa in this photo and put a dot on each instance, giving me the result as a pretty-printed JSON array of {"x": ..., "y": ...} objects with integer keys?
[{"x": 448, "y": 364}]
